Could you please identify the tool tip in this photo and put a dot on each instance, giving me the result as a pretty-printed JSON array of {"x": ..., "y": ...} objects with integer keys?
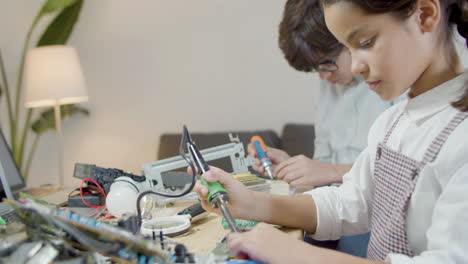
[{"x": 269, "y": 172}]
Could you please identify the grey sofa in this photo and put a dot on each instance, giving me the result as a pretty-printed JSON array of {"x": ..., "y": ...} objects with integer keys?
[{"x": 295, "y": 139}]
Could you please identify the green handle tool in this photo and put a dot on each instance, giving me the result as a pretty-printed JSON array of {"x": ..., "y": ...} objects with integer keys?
[
  {"x": 217, "y": 195},
  {"x": 214, "y": 188}
]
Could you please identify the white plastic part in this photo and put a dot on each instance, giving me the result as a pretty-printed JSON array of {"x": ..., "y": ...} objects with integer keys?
[
  {"x": 169, "y": 225},
  {"x": 122, "y": 196}
]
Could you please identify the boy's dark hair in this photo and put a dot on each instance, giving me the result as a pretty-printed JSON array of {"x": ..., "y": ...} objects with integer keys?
[
  {"x": 304, "y": 37},
  {"x": 454, "y": 12}
]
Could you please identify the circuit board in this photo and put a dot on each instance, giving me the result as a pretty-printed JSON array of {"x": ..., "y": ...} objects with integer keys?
[{"x": 51, "y": 234}]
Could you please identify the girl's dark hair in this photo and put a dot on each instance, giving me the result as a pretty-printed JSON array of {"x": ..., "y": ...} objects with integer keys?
[
  {"x": 462, "y": 104},
  {"x": 454, "y": 12},
  {"x": 304, "y": 37}
]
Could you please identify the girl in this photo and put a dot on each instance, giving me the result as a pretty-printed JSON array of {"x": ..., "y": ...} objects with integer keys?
[{"x": 409, "y": 186}]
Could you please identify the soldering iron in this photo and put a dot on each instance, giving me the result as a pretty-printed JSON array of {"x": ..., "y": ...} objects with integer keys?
[{"x": 217, "y": 195}]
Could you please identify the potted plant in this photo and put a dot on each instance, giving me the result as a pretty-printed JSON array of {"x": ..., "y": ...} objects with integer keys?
[{"x": 56, "y": 33}]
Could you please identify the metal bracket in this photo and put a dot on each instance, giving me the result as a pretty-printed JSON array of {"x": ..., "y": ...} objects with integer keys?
[{"x": 235, "y": 151}]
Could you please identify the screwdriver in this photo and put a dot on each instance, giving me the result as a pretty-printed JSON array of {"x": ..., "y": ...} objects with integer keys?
[
  {"x": 260, "y": 149},
  {"x": 217, "y": 195}
]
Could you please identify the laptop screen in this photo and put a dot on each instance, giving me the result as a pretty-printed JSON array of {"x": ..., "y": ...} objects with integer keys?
[{"x": 13, "y": 177}]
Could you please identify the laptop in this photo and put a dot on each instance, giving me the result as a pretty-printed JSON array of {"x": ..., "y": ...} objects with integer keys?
[{"x": 12, "y": 182}]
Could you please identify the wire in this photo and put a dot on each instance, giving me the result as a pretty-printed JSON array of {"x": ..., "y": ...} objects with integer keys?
[
  {"x": 82, "y": 194},
  {"x": 91, "y": 191},
  {"x": 183, "y": 144},
  {"x": 143, "y": 194}
]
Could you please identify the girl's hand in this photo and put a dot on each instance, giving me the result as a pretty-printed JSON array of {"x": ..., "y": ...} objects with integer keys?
[
  {"x": 241, "y": 199},
  {"x": 264, "y": 243},
  {"x": 276, "y": 155}
]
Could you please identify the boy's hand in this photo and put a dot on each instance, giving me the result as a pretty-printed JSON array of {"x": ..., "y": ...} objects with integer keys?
[
  {"x": 276, "y": 155},
  {"x": 302, "y": 171}
]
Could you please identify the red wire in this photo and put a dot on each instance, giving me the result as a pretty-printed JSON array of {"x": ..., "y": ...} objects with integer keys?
[
  {"x": 108, "y": 217},
  {"x": 101, "y": 190}
]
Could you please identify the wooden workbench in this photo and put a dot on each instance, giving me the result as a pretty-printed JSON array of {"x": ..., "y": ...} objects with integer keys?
[{"x": 205, "y": 233}]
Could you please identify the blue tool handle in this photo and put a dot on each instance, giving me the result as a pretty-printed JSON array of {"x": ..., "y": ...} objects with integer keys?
[
  {"x": 260, "y": 149},
  {"x": 261, "y": 154}
]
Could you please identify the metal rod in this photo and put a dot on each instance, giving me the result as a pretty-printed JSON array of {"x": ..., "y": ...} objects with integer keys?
[
  {"x": 226, "y": 213},
  {"x": 58, "y": 119}
]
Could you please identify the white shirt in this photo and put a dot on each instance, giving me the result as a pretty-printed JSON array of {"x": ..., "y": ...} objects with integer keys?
[
  {"x": 343, "y": 117},
  {"x": 437, "y": 217}
]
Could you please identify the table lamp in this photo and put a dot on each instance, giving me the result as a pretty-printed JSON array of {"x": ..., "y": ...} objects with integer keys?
[{"x": 53, "y": 77}]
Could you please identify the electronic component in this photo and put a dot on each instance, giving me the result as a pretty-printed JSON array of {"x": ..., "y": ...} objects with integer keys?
[
  {"x": 240, "y": 223},
  {"x": 75, "y": 237},
  {"x": 7, "y": 214},
  {"x": 182, "y": 255},
  {"x": 103, "y": 176},
  {"x": 130, "y": 224},
  {"x": 44, "y": 221},
  {"x": 91, "y": 199}
]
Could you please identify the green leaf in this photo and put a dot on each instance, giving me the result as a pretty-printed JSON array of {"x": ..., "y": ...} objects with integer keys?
[
  {"x": 60, "y": 29},
  {"x": 53, "y": 5},
  {"x": 46, "y": 121}
]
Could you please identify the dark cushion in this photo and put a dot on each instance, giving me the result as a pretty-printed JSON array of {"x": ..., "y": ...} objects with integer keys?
[{"x": 298, "y": 139}]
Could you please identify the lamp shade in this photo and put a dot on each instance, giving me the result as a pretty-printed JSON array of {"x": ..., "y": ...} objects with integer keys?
[{"x": 53, "y": 75}]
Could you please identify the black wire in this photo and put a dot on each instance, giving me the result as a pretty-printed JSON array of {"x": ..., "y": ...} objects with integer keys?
[{"x": 183, "y": 143}]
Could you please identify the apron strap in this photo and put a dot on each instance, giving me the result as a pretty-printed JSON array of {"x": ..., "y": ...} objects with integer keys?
[
  {"x": 438, "y": 142},
  {"x": 392, "y": 128}
]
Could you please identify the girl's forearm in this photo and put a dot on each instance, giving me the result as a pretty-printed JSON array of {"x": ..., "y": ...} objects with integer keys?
[{"x": 292, "y": 211}]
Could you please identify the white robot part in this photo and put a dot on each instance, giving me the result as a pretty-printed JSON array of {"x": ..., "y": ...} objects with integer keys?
[{"x": 122, "y": 196}]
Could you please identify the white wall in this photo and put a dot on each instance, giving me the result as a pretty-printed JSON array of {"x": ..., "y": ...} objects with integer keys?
[{"x": 152, "y": 66}]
